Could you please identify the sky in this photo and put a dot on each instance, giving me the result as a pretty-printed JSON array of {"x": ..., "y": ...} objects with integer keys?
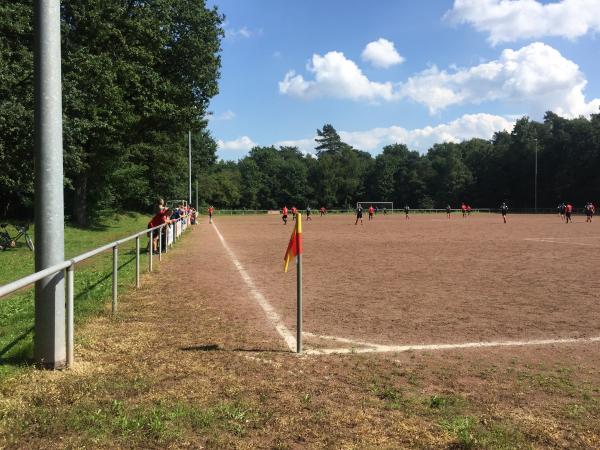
[{"x": 396, "y": 71}]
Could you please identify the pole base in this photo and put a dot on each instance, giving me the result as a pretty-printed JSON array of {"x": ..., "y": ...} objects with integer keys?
[{"x": 56, "y": 365}]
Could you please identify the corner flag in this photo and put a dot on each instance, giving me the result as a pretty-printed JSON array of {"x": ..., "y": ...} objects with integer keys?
[{"x": 295, "y": 245}]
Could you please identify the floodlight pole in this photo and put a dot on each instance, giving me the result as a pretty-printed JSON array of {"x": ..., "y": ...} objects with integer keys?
[
  {"x": 49, "y": 340},
  {"x": 196, "y": 205},
  {"x": 535, "y": 175},
  {"x": 190, "y": 168}
]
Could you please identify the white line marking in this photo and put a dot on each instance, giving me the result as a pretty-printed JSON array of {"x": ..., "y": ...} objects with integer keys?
[
  {"x": 273, "y": 317},
  {"x": 377, "y": 348},
  {"x": 558, "y": 241}
]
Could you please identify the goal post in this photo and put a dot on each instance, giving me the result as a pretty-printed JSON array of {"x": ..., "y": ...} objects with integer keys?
[{"x": 379, "y": 206}]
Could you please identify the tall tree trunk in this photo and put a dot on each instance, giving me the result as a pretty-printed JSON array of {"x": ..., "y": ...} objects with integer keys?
[{"x": 80, "y": 213}]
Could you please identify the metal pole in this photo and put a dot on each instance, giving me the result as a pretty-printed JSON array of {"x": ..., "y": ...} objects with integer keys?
[
  {"x": 196, "y": 205},
  {"x": 151, "y": 251},
  {"x": 299, "y": 286},
  {"x": 115, "y": 277},
  {"x": 536, "y": 175},
  {"x": 137, "y": 262},
  {"x": 70, "y": 313},
  {"x": 189, "y": 167},
  {"x": 49, "y": 340},
  {"x": 160, "y": 230}
]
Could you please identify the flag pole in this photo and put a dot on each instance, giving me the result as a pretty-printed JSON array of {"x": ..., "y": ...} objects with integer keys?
[{"x": 299, "y": 287}]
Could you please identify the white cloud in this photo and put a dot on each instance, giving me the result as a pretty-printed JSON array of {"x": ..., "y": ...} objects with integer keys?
[
  {"x": 466, "y": 127},
  {"x": 335, "y": 76},
  {"x": 243, "y": 143},
  {"x": 382, "y": 53},
  {"x": 226, "y": 115},
  {"x": 507, "y": 21},
  {"x": 536, "y": 77},
  {"x": 241, "y": 33}
]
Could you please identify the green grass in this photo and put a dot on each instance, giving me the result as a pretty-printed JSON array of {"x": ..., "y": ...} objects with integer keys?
[{"x": 93, "y": 282}]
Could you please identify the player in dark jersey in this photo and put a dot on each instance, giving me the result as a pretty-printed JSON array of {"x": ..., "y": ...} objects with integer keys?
[
  {"x": 406, "y": 211},
  {"x": 504, "y": 211},
  {"x": 561, "y": 210},
  {"x": 448, "y": 211},
  {"x": 308, "y": 213},
  {"x": 589, "y": 211},
  {"x": 359, "y": 214}
]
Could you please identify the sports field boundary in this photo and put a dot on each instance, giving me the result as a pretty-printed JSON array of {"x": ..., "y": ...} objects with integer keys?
[{"x": 361, "y": 347}]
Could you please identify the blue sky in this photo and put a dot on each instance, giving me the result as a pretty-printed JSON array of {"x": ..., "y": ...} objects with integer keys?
[{"x": 399, "y": 71}]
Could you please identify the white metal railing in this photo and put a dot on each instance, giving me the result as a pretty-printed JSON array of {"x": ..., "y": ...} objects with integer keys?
[{"x": 173, "y": 233}]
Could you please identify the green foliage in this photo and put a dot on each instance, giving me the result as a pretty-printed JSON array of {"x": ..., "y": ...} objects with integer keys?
[{"x": 136, "y": 77}]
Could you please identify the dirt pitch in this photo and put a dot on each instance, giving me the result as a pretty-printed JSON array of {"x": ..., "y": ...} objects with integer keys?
[{"x": 193, "y": 361}]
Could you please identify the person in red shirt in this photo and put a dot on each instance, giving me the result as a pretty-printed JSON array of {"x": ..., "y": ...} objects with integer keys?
[
  {"x": 322, "y": 211},
  {"x": 463, "y": 208},
  {"x": 284, "y": 214},
  {"x": 294, "y": 212},
  {"x": 371, "y": 212},
  {"x": 211, "y": 210},
  {"x": 568, "y": 212},
  {"x": 162, "y": 216},
  {"x": 468, "y": 210}
]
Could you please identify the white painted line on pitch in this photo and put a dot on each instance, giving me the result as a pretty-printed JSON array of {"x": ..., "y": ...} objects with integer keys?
[
  {"x": 559, "y": 241},
  {"x": 273, "y": 317},
  {"x": 378, "y": 348}
]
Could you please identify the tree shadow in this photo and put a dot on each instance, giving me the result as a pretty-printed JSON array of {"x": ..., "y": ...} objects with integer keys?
[{"x": 21, "y": 359}]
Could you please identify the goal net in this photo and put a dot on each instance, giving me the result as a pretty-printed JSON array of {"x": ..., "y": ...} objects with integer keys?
[{"x": 379, "y": 206}]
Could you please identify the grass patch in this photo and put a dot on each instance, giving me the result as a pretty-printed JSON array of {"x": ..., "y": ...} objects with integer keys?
[
  {"x": 469, "y": 433},
  {"x": 93, "y": 283},
  {"x": 118, "y": 422}
]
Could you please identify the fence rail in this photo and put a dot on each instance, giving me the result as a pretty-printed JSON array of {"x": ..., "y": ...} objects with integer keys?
[{"x": 173, "y": 232}]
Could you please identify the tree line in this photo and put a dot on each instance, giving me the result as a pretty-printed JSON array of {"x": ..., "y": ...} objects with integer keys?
[
  {"x": 483, "y": 173},
  {"x": 137, "y": 75}
]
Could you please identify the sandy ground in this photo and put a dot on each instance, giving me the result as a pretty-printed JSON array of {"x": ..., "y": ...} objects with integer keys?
[{"x": 429, "y": 279}]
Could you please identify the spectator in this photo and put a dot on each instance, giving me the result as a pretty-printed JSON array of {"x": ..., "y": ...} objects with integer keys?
[{"x": 161, "y": 216}]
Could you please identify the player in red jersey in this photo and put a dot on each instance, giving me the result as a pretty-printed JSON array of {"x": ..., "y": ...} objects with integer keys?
[
  {"x": 294, "y": 212},
  {"x": 463, "y": 208},
  {"x": 568, "y": 212},
  {"x": 371, "y": 212},
  {"x": 322, "y": 211},
  {"x": 468, "y": 210},
  {"x": 284, "y": 214},
  {"x": 211, "y": 210}
]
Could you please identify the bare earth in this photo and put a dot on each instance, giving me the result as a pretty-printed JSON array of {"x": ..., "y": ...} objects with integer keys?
[{"x": 195, "y": 348}]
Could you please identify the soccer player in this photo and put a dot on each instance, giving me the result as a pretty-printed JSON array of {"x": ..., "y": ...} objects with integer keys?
[
  {"x": 561, "y": 210},
  {"x": 294, "y": 212},
  {"x": 371, "y": 212},
  {"x": 406, "y": 211},
  {"x": 468, "y": 210},
  {"x": 359, "y": 214},
  {"x": 322, "y": 211},
  {"x": 284, "y": 214},
  {"x": 589, "y": 211},
  {"x": 384, "y": 211},
  {"x": 211, "y": 210},
  {"x": 448, "y": 211},
  {"x": 308, "y": 213},
  {"x": 504, "y": 210},
  {"x": 568, "y": 212},
  {"x": 463, "y": 208}
]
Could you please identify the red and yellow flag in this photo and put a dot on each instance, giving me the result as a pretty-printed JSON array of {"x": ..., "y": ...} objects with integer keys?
[{"x": 295, "y": 245}]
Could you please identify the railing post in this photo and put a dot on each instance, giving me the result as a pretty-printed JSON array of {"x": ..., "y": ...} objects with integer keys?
[
  {"x": 167, "y": 228},
  {"x": 115, "y": 277},
  {"x": 137, "y": 262},
  {"x": 160, "y": 230},
  {"x": 70, "y": 313},
  {"x": 151, "y": 250}
]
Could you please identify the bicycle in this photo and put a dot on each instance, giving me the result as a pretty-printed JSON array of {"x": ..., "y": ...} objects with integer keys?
[{"x": 7, "y": 241}]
